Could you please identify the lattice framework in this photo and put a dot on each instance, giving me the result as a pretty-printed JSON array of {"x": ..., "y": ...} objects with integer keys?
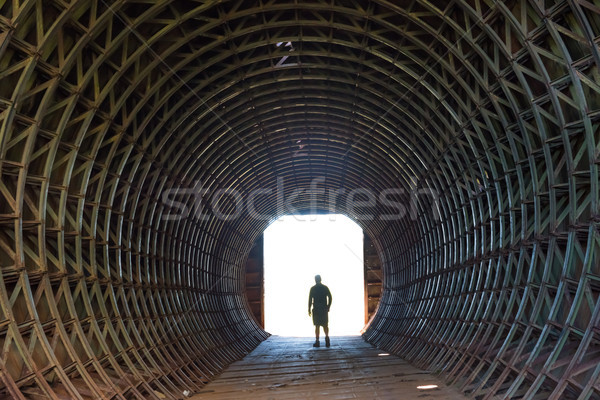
[{"x": 105, "y": 106}]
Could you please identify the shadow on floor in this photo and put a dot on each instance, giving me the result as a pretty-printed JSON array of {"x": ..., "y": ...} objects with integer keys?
[{"x": 290, "y": 368}]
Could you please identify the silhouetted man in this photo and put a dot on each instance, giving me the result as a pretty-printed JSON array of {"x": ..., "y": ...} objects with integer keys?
[{"x": 320, "y": 300}]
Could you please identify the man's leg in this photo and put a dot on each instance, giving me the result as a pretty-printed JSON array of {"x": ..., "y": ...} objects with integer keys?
[
  {"x": 326, "y": 330},
  {"x": 317, "y": 344}
]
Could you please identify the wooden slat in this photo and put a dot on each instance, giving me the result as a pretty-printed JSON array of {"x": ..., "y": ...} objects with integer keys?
[{"x": 290, "y": 368}]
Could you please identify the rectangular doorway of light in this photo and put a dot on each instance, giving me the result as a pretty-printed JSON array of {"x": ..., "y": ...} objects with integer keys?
[{"x": 298, "y": 247}]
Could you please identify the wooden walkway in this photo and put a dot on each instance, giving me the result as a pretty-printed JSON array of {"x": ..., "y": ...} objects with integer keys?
[{"x": 290, "y": 368}]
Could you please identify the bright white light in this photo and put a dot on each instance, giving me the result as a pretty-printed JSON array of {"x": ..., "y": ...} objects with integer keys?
[
  {"x": 425, "y": 387},
  {"x": 296, "y": 248},
  {"x": 383, "y": 354}
]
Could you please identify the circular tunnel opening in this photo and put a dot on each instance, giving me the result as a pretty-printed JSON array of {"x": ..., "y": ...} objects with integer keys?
[
  {"x": 326, "y": 252},
  {"x": 296, "y": 249},
  {"x": 462, "y": 136}
]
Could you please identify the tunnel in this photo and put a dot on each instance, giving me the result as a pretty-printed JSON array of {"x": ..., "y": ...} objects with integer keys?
[{"x": 146, "y": 145}]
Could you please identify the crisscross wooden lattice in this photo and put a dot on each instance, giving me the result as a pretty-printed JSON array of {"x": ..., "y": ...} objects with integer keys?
[{"x": 493, "y": 107}]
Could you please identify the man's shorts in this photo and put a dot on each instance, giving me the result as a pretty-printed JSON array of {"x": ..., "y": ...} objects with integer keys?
[{"x": 320, "y": 316}]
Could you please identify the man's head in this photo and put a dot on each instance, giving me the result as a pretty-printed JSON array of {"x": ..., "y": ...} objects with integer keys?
[{"x": 318, "y": 278}]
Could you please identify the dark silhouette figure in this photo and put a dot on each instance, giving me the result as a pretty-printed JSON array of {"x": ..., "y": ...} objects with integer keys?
[{"x": 320, "y": 300}]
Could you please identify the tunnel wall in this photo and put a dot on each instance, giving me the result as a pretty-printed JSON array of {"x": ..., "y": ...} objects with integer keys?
[
  {"x": 132, "y": 133},
  {"x": 495, "y": 286}
]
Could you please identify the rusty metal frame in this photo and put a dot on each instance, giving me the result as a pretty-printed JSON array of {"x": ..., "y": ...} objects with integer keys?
[{"x": 105, "y": 105}]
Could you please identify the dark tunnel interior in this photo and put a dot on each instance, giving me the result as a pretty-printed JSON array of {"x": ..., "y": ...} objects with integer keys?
[{"x": 146, "y": 145}]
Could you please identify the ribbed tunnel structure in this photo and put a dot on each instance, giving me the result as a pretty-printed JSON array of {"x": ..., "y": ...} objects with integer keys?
[{"x": 477, "y": 120}]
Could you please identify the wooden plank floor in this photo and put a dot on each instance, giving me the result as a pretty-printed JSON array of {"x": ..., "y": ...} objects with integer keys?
[{"x": 290, "y": 368}]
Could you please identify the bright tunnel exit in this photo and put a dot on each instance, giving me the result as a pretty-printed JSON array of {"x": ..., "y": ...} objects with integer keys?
[{"x": 298, "y": 247}]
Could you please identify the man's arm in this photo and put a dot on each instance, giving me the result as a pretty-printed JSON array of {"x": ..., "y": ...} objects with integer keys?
[
  {"x": 329, "y": 299},
  {"x": 310, "y": 299}
]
